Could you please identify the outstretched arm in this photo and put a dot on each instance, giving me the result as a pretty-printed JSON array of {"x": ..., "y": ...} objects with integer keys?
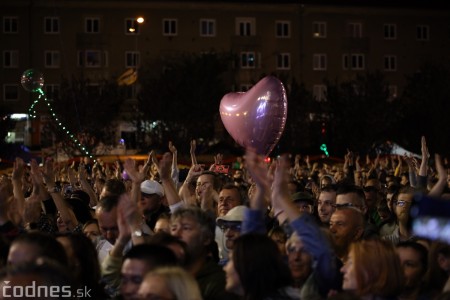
[
  {"x": 175, "y": 171},
  {"x": 17, "y": 177},
  {"x": 438, "y": 188},
  {"x": 85, "y": 186},
  {"x": 192, "y": 152},
  {"x": 49, "y": 177},
  {"x": 254, "y": 218},
  {"x": 170, "y": 191},
  {"x": 314, "y": 240}
]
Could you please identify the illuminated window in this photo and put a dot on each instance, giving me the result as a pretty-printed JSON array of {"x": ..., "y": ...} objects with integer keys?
[
  {"x": 248, "y": 60},
  {"x": 319, "y": 30}
]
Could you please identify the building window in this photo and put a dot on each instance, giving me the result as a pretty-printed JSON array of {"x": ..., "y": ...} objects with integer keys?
[
  {"x": 393, "y": 93},
  {"x": 90, "y": 59},
  {"x": 390, "y": 63},
  {"x": 170, "y": 27},
  {"x": 10, "y": 59},
  {"x": 319, "y": 30},
  {"x": 132, "y": 59},
  {"x": 354, "y": 30},
  {"x": 245, "y": 26},
  {"x": 92, "y": 25},
  {"x": 207, "y": 27},
  {"x": 319, "y": 62},
  {"x": 245, "y": 87},
  {"x": 320, "y": 92},
  {"x": 283, "y": 29},
  {"x": 10, "y": 92},
  {"x": 52, "y": 91},
  {"x": 52, "y": 59},
  {"x": 248, "y": 60},
  {"x": 423, "y": 32},
  {"x": 390, "y": 31},
  {"x": 10, "y": 24},
  {"x": 131, "y": 26},
  {"x": 284, "y": 61},
  {"x": 353, "y": 62},
  {"x": 51, "y": 25}
]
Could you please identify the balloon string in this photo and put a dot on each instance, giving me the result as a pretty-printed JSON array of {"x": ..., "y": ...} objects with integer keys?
[{"x": 32, "y": 113}]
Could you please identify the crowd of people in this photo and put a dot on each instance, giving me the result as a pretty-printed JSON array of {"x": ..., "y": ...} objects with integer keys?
[{"x": 255, "y": 230}]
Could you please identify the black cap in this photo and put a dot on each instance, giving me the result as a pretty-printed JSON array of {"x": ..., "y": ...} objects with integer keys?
[{"x": 303, "y": 196}]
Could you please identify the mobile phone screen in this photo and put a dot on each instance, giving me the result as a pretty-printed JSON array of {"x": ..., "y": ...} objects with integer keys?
[{"x": 431, "y": 218}]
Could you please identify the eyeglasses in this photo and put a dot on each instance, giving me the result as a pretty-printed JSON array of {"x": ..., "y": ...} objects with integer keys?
[
  {"x": 349, "y": 204},
  {"x": 232, "y": 227},
  {"x": 401, "y": 203}
]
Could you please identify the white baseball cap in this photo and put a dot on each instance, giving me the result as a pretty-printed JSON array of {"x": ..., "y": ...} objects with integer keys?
[{"x": 152, "y": 187}]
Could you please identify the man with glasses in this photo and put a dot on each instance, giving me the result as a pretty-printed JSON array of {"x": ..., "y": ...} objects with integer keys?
[
  {"x": 230, "y": 225},
  {"x": 354, "y": 196}
]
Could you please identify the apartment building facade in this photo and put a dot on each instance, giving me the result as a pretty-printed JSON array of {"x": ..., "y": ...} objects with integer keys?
[{"x": 310, "y": 41}]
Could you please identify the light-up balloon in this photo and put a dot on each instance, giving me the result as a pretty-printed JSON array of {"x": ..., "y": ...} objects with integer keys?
[
  {"x": 256, "y": 118},
  {"x": 32, "y": 80}
]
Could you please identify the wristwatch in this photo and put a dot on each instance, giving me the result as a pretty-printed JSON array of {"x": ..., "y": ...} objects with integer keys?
[{"x": 137, "y": 233}]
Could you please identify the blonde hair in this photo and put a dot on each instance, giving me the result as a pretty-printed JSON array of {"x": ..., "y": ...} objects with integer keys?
[{"x": 179, "y": 282}]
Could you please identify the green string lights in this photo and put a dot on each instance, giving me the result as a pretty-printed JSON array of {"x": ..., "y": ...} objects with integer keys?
[{"x": 33, "y": 81}]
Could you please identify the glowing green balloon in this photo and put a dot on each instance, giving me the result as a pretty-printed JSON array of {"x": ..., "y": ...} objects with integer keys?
[{"x": 32, "y": 80}]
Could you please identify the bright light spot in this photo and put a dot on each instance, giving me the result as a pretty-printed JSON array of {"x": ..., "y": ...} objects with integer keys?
[
  {"x": 140, "y": 20},
  {"x": 131, "y": 29},
  {"x": 18, "y": 116}
]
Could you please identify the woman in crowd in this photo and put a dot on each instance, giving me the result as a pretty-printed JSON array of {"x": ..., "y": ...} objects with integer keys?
[
  {"x": 256, "y": 270},
  {"x": 373, "y": 271},
  {"x": 172, "y": 283}
]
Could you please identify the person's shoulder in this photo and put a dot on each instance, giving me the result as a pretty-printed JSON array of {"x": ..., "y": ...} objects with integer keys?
[{"x": 285, "y": 293}]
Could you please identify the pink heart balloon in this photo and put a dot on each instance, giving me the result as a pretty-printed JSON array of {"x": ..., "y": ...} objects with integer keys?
[{"x": 257, "y": 117}]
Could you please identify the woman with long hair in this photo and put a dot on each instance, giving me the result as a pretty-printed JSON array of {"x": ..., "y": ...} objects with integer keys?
[
  {"x": 373, "y": 270},
  {"x": 256, "y": 270},
  {"x": 169, "y": 283}
]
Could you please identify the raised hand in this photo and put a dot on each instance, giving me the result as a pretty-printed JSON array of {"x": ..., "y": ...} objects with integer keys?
[
  {"x": 18, "y": 169},
  {"x": 172, "y": 148},
  {"x": 48, "y": 173},
  {"x": 192, "y": 152},
  {"x": 130, "y": 167},
  {"x": 164, "y": 166}
]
